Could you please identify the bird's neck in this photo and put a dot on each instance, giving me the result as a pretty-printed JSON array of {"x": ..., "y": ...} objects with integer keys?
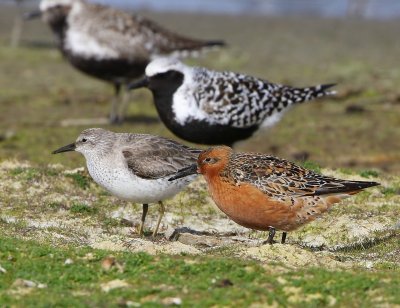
[
  {"x": 213, "y": 177},
  {"x": 95, "y": 157},
  {"x": 59, "y": 27},
  {"x": 163, "y": 99}
]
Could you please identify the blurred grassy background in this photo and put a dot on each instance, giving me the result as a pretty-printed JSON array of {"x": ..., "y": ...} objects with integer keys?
[{"x": 358, "y": 129}]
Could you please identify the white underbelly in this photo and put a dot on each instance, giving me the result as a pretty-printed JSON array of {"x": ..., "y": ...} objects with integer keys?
[
  {"x": 127, "y": 186},
  {"x": 272, "y": 119}
]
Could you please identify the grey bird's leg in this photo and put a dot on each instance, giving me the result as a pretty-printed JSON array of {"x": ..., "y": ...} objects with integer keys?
[
  {"x": 161, "y": 211},
  {"x": 144, "y": 213},
  {"x": 114, "y": 104},
  {"x": 126, "y": 98}
]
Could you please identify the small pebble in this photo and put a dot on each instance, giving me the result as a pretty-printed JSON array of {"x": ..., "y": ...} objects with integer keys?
[
  {"x": 170, "y": 301},
  {"x": 2, "y": 270},
  {"x": 108, "y": 262},
  {"x": 23, "y": 283}
]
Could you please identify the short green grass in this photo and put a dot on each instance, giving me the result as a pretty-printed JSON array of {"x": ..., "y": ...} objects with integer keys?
[
  {"x": 81, "y": 208},
  {"x": 26, "y": 173},
  {"x": 197, "y": 281},
  {"x": 369, "y": 173},
  {"x": 388, "y": 191},
  {"x": 312, "y": 166},
  {"x": 80, "y": 180}
]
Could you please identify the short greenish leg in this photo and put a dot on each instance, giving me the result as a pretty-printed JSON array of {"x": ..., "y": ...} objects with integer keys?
[{"x": 161, "y": 211}]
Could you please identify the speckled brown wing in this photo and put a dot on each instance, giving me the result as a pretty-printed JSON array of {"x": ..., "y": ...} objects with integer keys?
[
  {"x": 152, "y": 157},
  {"x": 281, "y": 179},
  {"x": 118, "y": 27},
  {"x": 167, "y": 42}
]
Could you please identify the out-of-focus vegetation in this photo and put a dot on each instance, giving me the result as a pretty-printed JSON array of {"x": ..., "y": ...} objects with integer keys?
[{"x": 359, "y": 128}]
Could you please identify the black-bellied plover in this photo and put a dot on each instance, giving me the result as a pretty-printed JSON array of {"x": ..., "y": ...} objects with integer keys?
[
  {"x": 263, "y": 192},
  {"x": 134, "y": 167},
  {"x": 110, "y": 44},
  {"x": 210, "y": 107}
]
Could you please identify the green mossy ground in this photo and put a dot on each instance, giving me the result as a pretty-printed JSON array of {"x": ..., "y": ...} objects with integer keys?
[{"x": 78, "y": 277}]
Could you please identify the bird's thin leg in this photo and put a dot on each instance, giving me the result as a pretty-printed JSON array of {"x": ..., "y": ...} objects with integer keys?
[
  {"x": 114, "y": 104},
  {"x": 144, "y": 213},
  {"x": 161, "y": 210},
  {"x": 283, "y": 237},
  {"x": 270, "y": 239},
  {"x": 126, "y": 97}
]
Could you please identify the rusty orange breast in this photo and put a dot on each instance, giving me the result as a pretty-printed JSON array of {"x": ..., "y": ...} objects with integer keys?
[{"x": 250, "y": 207}]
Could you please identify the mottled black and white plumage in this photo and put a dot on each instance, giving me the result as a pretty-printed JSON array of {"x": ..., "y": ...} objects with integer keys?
[
  {"x": 211, "y": 107},
  {"x": 110, "y": 44}
]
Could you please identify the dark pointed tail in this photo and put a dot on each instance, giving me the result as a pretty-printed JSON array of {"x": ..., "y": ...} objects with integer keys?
[
  {"x": 346, "y": 187},
  {"x": 299, "y": 95},
  {"x": 357, "y": 185},
  {"x": 187, "y": 47},
  {"x": 214, "y": 43}
]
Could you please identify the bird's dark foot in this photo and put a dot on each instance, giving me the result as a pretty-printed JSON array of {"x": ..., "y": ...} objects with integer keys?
[
  {"x": 172, "y": 234},
  {"x": 269, "y": 242},
  {"x": 270, "y": 239},
  {"x": 159, "y": 238}
]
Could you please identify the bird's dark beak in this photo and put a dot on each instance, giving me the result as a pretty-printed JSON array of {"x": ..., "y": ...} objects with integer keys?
[
  {"x": 192, "y": 169},
  {"x": 66, "y": 148},
  {"x": 32, "y": 15},
  {"x": 139, "y": 84}
]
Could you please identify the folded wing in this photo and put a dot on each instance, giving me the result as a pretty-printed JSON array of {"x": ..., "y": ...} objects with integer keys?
[
  {"x": 153, "y": 157},
  {"x": 280, "y": 178}
]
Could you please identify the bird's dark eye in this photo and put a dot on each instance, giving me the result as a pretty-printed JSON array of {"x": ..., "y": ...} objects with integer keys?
[
  {"x": 172, "y": 74},
  {"x": 208, "y": 160},
  {"x": 84, "y": 140}
]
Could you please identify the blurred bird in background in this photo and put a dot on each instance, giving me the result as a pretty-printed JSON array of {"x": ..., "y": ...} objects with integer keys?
[
  {"x": 110, "y": 44},
  {"x": 210, "y": 107}
]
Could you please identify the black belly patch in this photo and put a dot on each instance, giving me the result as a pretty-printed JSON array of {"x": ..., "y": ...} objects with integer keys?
[
  {"x": 204, "y": 133},
  {"x": 112, "y": 70}
]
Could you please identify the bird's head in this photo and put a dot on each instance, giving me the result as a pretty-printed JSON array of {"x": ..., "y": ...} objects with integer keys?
[
  {"x": 210, "y": 162},
  {"x": 163, "y": 74},
  {"x": 90, "y": 141},
  {"x": 54, "y": 12}
]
